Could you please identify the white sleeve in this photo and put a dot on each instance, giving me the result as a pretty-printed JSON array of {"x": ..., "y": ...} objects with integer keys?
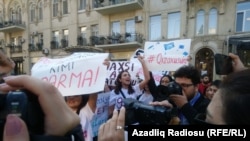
[{"x": 137, "y": 90}]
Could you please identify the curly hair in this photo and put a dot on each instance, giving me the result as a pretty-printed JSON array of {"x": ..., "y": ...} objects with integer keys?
[
  {"x": 118, "y": 84},
  {"x": 189, "y": 72}
]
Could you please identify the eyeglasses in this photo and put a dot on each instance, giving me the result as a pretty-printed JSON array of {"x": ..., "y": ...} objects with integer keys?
[{"x": 186, "y": 85}]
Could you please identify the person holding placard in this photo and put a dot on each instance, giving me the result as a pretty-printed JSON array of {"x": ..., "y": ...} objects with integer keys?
[{"x": 124, "y": 88}]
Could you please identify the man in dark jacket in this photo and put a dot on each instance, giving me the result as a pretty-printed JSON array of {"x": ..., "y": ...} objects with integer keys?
[{"x": 190, "y": 102}]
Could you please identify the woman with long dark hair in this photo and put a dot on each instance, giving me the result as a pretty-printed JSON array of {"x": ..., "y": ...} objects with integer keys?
[{"x": 124, "y": 89}]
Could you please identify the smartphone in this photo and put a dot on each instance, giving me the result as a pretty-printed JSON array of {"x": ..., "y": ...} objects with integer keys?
[
  {"x": 139, "y": 52},
  {"x": 223, "y": 64}
]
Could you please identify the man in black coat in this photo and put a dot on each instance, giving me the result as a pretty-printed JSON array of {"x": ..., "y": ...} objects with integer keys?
[{"x": 190, "y": 102}]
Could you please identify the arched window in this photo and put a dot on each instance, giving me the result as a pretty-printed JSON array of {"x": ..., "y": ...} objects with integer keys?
[
  {"x": 55, "y": 8},
  {"x": 212, "y": 23},
  {"x": 40, "y": 10},
  {"x": 12, "y": 15},
  {"x": 32, "y": 13},
  {"x": 19, "y": 15},
  {"x": 200, "y": 20}
]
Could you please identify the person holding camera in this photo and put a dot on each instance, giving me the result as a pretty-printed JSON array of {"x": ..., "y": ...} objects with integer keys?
[
  {"x": 185, "y": 104},
  {"x": 160, "y": 92},
  {"x": 219, "y": 110},
  {"x": 60, "y": 122},
  {"x": 190, "y": 102}
]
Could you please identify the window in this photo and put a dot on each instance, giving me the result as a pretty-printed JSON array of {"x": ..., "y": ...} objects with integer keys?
[
  {"x": 83, "y": 31},
  {"x": 55, "y": 40},
  {"x": 55, "y": 8},
  {"x": 40, "y": 10},
  {"x": 94, "y": 35},
  {"x": 64, "y": 41},
  {"x": 115, "y": 28},
  {"x": 66, "y": 34},
  {"x": 19, "y": 66},
  {"x": 130, "y": 30},
  {"x": 212, "y": 23},
  {"x": 1, "y": 17},
  {"x": 155, "y": 27},
  {"x": 19, "y": 15},
  {"x": 32, "y": 40},
  {"x": 94, "y": 30},
  {"x": 40, "y": 41},
  {"x": 65, "y": 7},
  {"x": 200, "y": 20},
  {"x": 32, "y": 13},
  {"x": 19, "y": 40},
  {"x": 82, "y": 4},
  {"x": 31, "y": 43},
  {"x": 15, "y": 41},
  {"x": 243, "y": 17},
  {"x": 12, "y": 15},
  {"x": 82, "y": 38},
  {"x": 174, "y": 24}
]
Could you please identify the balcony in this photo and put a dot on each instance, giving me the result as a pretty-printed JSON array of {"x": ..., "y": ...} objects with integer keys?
[
  {"x": 54, "y": 44},
  {"x": 106, "y": 7},
  {"x": 16, "y": 48},
  {"x": 37, "y": 47},
  {"x": 64, "y": 43},
  {"x": 12, "y": 26},
  {"x": 79, "y": 48},
  {"x": 82, "y": 46},
  {"x": 81, "y": 41},
  {"x": 120, "y": 41}
]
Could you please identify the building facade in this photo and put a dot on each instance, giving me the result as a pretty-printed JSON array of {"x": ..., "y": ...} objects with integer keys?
[{"x": 30, "y": 29}]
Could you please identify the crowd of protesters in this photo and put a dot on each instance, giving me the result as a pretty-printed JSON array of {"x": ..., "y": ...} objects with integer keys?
[{"x": 67, "y": 117}]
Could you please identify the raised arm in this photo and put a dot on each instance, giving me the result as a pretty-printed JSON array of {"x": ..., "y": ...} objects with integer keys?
[{"x": 145, "y": 72}]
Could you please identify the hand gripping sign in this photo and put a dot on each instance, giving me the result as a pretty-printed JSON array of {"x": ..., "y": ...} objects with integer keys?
[{"x": 77, "y": 74}]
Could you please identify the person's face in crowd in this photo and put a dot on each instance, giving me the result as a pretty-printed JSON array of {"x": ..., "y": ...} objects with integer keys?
[
  {"x": 74, "y": 101},
  {"x": 125, "y": 78},
  {"x": 205, "y": 80},
  {"x": 214, "y": 110},
  {"x": 211, "y": 90},
  {"x": 165, "y": 81},
  {"x": 188, "y": 88}
]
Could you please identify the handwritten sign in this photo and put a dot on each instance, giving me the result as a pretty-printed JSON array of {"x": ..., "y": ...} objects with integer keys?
[
  {"x": 115, "y": 67},
  {"x": 79, "y": 73},
  {"x": 160, "y": 56},
  {"x": 101, "y": 112}
]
